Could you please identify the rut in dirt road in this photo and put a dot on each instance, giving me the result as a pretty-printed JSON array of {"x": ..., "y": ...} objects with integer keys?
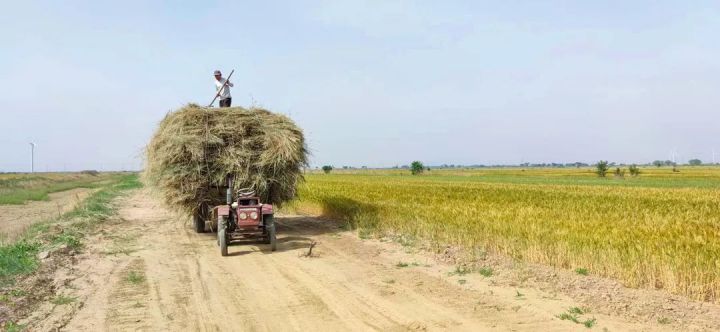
[{"x": 173, "y": 279}]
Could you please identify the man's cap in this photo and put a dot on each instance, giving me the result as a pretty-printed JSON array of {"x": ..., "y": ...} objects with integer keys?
[{"x": 217, "y": 72}]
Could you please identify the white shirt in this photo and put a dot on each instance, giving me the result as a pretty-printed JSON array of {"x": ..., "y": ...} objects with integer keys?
[{"x": 225, "y": 93}]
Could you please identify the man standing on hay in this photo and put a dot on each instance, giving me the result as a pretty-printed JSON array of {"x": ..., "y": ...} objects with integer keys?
[{"x": 223, "y": 89}]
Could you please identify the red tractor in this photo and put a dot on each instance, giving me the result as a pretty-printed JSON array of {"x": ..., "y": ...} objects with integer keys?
[{"x": 241, "y": 218}]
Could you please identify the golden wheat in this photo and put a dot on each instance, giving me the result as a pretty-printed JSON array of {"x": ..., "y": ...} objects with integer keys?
[{"x": 660, "y": 230}]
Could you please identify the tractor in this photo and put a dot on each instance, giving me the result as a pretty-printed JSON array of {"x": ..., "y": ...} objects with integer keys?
[{"x": 242, "y": 217}]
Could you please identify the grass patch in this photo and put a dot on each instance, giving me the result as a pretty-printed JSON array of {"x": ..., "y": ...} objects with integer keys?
[
  {"x": 18, "y": 189},
  {"x": 568, "y": 316},
  {"x": 365, "y": 233},
  {"x": 21, "y": 257},
  {"x": 578, "y": 310},
  {"x": 70, "y": 238},
  {"x": 486, "y": 272},
  {"x": 62, "y": 300},
  {"x": 573, "y": 315},
  {"x": 14, "y": 327},
  {"x": 460, "y": 271},
  {"x": 18, "y": 258},
  {"x": 582, "y": 271}
]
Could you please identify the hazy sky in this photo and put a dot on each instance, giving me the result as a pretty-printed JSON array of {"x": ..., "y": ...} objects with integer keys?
[{"x": 376, "y": 83}]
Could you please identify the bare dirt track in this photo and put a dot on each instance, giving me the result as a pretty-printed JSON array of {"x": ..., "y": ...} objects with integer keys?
[
  {"x": 14, "y": 219},
  {"x": 149, "y": 271}
]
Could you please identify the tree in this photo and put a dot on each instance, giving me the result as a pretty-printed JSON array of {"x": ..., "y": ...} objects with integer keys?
[
  {"x": 416, "y": 167},
  {"x": 695, "y": 162},
  {"x": 658, "y": 163},
  {"x": 327, "y": 169},
  {"x": 601, "y": 168},
  {"x": 634, "y": 170}
]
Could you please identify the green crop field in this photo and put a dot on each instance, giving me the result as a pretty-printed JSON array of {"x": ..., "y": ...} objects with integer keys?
[{"x": 658, "y": 230}]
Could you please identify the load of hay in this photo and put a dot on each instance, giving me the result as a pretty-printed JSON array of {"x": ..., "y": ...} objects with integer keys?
[{"x": 196, "y": 148}]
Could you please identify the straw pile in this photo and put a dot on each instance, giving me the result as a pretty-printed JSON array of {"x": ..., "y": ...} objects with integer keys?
[{"x": 195, "y": 148}]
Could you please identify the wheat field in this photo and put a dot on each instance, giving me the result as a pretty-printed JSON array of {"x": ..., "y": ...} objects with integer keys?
[{"x": 658, "y": 230}]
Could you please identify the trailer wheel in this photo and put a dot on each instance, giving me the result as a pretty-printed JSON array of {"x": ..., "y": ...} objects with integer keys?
[
  {"x": 199, "y": 218},
  {"x": 271, "y": 237},
  {"x": 222, "y": 236}
]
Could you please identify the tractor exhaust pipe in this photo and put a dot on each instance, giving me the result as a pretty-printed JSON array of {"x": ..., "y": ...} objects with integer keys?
[{"x": 228, "y": 195}]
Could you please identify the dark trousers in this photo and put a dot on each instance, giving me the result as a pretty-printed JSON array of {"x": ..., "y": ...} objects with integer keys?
[{"x": 225, "y": 102}]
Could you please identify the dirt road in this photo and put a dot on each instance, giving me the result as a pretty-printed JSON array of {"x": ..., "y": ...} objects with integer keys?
[
  {"x": 149, "y": 271},
  {"x": 14, "y": 219}
]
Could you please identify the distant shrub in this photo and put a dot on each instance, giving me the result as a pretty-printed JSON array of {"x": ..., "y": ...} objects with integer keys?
[
  {"x": 619, "y": 173},
  {"x": 327, "y": 169},
  {"x": 695, "y": 162},
  {"x": 90, "y": 172}
]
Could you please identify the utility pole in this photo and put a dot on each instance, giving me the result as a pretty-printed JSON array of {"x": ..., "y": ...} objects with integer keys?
[{"x": 32, "y": 157}]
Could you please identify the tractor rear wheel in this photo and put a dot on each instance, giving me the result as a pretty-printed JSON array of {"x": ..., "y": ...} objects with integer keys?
[{"x": 222, "y": 236}]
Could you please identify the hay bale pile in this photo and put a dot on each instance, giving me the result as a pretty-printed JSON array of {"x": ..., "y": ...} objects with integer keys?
[{"x": 195, "y": 148}]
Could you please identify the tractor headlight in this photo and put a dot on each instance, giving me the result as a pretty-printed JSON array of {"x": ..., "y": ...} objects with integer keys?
[
  {"x": 242, "y": 215},
  {"x": 253, "y": 215},
  {"x": 234, "y": 205}
]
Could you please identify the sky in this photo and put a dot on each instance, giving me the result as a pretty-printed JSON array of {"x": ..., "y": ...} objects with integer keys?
[{"x": 372, "y": 83}]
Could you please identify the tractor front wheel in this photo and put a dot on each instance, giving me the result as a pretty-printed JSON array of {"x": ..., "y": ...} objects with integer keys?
[
  {"x": 270, "y": 230},
  {"x": 222, "y": 236}
]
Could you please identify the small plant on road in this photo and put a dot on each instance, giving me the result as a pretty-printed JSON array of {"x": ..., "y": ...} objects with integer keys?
[
  {"x": 590, "y": 322},
  {"x": 582, "y": 271},
  {"x": 135, "y": 277},
  {"x": 573, "y": 315},
  {"x": 486, "y": 271}
]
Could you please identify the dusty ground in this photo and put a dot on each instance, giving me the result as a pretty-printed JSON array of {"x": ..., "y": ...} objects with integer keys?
[
  {"x": 149, "y": 271},
  {"x": 15, "y": 219}
]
